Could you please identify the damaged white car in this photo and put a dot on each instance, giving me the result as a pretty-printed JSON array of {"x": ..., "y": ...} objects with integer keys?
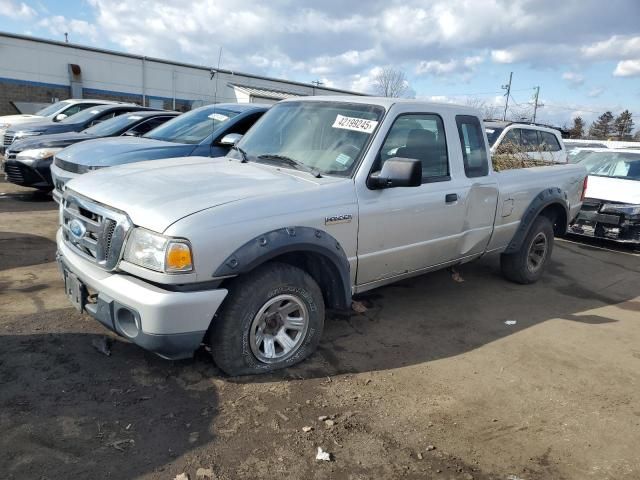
[{"x": 611, "y": 208}]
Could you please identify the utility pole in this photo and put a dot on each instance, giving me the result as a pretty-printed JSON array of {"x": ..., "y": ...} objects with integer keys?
[
  {"x": 535, "y": 103},
  {"x": 508, "y": 89},
  {"x": 316, "y": 84}
]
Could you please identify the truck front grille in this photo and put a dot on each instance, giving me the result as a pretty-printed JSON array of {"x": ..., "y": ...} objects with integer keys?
[{"x": 93, "y": 230}]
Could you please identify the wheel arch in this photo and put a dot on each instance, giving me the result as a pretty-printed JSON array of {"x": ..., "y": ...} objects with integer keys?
[
  {"x": 550, "y": 203},
  {"x": 315, "y": 251}
]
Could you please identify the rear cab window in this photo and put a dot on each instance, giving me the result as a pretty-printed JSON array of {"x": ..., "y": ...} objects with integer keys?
[{"x": 474, "y": 151}]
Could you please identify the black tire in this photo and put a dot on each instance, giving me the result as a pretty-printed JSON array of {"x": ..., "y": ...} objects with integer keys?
[
  {"x": 518, "y": 266},
  {"x": 230, "y": 335}
]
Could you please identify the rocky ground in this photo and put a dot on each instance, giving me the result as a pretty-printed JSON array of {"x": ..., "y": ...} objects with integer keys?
[{"x": 428, "y": 382}]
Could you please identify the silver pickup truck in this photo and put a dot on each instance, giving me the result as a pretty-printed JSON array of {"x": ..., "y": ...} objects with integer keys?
[{"x": 322, "y": 199}]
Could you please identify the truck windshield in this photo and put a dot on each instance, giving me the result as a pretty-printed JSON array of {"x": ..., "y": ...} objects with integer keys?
[
  {"x": 613, "y": 164},
  {"x": 325, "y": 136},
  {"x": 192, "y": 127},
  {"x": 51, "y": 109}
]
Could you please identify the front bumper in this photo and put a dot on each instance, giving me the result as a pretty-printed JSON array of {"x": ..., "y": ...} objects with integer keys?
[
  {"x": 169, "y": 323},
  {"x": 610, "y": 226},
  {"x": 28, "y": 176},
  {"x": 59, "y": 179}
]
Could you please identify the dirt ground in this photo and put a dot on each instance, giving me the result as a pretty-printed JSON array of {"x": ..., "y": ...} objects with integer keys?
[{"x": 428, "y": 383}]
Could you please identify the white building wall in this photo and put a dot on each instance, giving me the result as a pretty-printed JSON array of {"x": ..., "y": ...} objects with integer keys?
[{"x": 34, "y": 61}]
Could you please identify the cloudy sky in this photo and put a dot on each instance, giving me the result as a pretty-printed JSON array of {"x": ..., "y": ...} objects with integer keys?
[{"x": 584, "y": 54}]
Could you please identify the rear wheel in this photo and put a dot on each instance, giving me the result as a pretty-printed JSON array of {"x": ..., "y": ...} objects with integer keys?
[
  {"x": 272, "y": 318},
  {"x": 527, "y": 264}
]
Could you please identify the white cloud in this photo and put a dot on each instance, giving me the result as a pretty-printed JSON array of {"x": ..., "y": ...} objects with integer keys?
[
  {"x": 573, "y": 78},
  {"x": 613, "y": 48},
  {"x": 436, "y": 67},
  {"x": 627, "y": 68},
  {"x": 595, "y": 92},
  {"x": 59, "y": 25},
  {"x": 502, "y": 56},
  {"x": 16, "y": 11}
]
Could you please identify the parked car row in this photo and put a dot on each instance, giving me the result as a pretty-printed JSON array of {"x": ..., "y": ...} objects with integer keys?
[{"x": 30, "y": 147}]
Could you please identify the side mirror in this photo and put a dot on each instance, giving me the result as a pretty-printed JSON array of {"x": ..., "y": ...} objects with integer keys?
[
  {"x": 131, "y": 133},
  {"x": 397, "y": 172},
  {"x": 59, "y": 117},
  {"x": 230, "y": 139}
]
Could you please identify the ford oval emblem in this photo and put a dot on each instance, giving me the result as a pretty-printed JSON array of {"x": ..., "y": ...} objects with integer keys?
[{"x": 77, "y": 228}]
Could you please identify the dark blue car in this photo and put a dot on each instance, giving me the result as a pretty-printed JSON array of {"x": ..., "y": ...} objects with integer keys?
[
  {"x": 75, "y": 123},
  {"x": 196, "y": 133},
  {"x": 28, "y": 161}
]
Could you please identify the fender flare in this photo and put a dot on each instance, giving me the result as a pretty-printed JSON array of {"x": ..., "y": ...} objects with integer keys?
[
  {"x": 296, "y": 239},
  {"x": 548, "y": 196}
]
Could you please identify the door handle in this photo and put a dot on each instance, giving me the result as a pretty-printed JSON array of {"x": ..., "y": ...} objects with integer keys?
[{"x": 451, "y": 197}]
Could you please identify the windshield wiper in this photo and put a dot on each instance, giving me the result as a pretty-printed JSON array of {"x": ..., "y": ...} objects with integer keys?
[
  {"x": 245, "y": 158},
  {"x": 291, "y": 162}
]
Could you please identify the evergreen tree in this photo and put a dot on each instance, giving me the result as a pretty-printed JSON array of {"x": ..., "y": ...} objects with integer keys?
[
  {"x": 623, "y": 125},
  {"x": 577, "y": 131},
  {"x": 602, "y": 128}
]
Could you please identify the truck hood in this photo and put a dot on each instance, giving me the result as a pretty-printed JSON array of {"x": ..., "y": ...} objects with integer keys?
[
  {"x": 107, "y": 152},
  {"x": 157, "y": 194},
  {"x": 55, "y": 140},
  {"x": 613, "y": 189}
]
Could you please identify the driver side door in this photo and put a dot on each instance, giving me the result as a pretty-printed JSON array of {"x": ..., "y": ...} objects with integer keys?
[{"x": 405, "y": 229}]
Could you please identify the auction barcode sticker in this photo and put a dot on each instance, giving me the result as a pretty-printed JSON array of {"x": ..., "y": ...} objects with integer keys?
[{"x": 355, "y": 124}]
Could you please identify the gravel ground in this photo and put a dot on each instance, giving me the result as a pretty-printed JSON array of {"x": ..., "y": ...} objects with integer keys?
[{"x": 429, "y": 382}]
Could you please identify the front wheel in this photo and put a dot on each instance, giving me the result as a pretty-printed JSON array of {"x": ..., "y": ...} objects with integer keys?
[
  {"x": 527, "y": 264},
  {"x": 272, "y": 318}
]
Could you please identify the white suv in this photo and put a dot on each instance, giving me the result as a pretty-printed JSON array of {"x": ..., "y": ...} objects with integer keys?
[
  {"x": 537, "y": 141},
  {"x": 55, "y": 112}
]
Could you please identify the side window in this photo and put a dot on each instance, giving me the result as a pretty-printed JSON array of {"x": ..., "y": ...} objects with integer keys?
[
  {"x": 78, "y": 107},
  {"x": 420, "y": 137},
  {"x": 549, "y": 142},
  {"x": 242, "y": 126},
  {"x": 530, "y": 140},
  {"x": 146, "y": 126},
  {"x": 474, "y": 151},
  {"x": 512, "y": 136}
]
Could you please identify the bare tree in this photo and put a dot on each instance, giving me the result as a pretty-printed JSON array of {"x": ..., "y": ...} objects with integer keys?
[
  {"x": 488, "y": 110},
  {"x": 390, "y": 83}
]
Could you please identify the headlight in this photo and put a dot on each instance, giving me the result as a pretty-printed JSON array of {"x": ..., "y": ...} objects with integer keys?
[
  {"x": 30, "y": 156},
  {"x": 158, "y": 252},
  {"x": 626, "y": 208},
  {"x": 26, "y": 134}
]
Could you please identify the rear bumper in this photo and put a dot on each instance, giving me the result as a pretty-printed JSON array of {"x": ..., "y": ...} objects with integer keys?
[{"x": 168, "y": 323}]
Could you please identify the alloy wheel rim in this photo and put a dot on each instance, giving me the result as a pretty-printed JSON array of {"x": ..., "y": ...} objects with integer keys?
[
  {"x": 279, "y": 328},
  {"x": 537, "y": 252}
]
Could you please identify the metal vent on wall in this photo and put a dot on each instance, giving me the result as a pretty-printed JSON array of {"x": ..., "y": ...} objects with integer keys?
[{"x": 75, "y": 80}]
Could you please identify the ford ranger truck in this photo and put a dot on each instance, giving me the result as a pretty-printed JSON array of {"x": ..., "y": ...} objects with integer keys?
[{"x": 324, "y": 198}]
